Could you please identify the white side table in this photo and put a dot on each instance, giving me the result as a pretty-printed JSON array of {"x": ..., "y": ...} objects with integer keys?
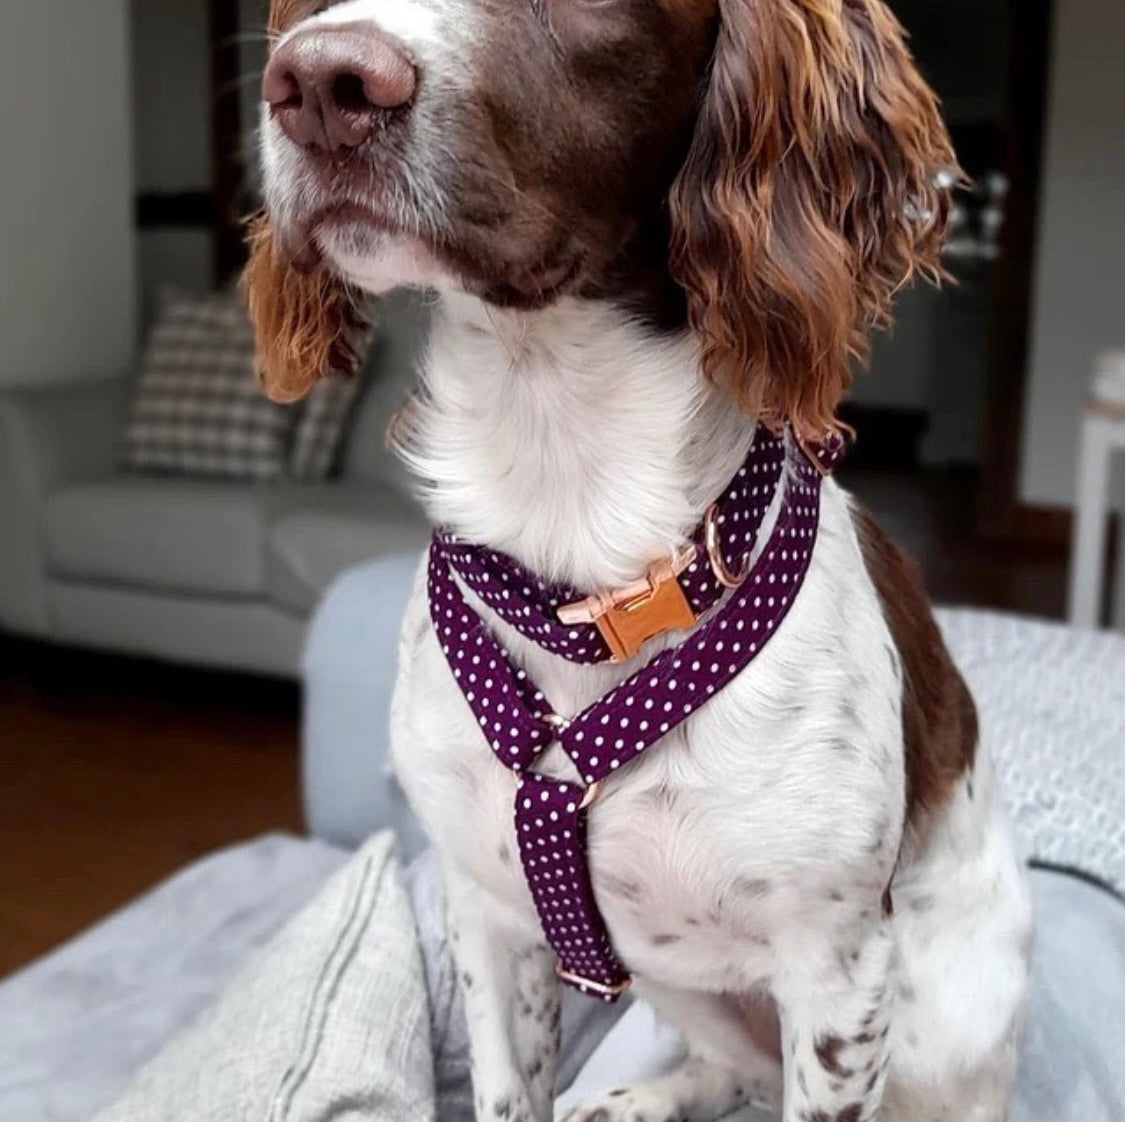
[{"x": 1103, "y": 434}]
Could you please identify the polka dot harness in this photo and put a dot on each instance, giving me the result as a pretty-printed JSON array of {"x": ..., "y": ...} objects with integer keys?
[{"x": 516, "y": 720}]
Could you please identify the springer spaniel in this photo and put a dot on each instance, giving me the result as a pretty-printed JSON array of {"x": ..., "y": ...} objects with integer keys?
[{"x": 660, "y": 232}]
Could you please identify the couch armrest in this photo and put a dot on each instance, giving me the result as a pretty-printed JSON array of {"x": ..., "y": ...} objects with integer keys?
[
  {"x": 48, "y": 436},
  {"x": 350, "y": 666}
]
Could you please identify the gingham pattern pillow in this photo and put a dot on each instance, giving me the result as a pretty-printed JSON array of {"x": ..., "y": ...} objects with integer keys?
[
  {"x": 197, "y": 408},
  {"x": 320, "y": 432}
]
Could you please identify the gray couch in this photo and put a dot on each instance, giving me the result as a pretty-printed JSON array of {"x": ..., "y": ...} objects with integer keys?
[{"x": 212, "y": 573}]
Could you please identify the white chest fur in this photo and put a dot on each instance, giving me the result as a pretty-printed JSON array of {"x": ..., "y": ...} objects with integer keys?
[{"x": 587, "y": 451}]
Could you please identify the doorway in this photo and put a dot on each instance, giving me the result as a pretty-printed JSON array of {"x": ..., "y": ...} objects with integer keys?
[{"x": 944, "y": 397}]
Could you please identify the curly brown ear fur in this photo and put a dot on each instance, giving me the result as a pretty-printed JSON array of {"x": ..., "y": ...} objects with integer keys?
[
  {"x": 808, "y": 199},
  {"x": 307, "y": 324},
  {"x": 285, "y": 13}
]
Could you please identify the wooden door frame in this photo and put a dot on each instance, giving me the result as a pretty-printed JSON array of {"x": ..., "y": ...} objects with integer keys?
[
  {"x": 227, "y": 165},
  {"x": 1000, "y": 513}
]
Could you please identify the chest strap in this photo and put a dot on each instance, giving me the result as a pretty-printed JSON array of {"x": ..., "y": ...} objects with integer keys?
[
  {"x": 559, "y": 618},
  {"x": 551, "y": 816}
]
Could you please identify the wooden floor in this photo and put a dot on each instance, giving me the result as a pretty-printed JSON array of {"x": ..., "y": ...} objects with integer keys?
[{"x": 113, "y": 774}]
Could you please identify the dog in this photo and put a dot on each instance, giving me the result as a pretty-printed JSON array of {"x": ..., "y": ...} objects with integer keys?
[{"x": 653, "y": 228}]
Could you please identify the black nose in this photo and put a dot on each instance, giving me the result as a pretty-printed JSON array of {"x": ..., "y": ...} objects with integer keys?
[{"x": 328, "y": 87}]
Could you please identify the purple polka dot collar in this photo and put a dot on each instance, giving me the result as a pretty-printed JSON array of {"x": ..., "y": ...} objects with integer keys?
[{"x": 518, "y": 724}]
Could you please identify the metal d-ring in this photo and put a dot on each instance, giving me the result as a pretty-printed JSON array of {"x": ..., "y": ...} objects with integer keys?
[
  {"x": 560, "y": 725},
  {"x": 601, "y": 989},
  {"x": 714, "y": 547}
]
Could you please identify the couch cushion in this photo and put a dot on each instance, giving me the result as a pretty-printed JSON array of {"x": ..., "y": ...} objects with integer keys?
[
  {"x": 389, "y": 374},
  {"x": 324, "y": 531},
  {"x": 319, "y": 436},
  {"x": 174, "y": 535},
  {"x": 197, "y": 408}
]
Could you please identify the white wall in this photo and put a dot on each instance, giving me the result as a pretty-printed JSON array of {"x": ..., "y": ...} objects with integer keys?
[
  {"x": 67, "y": 270},
  {"x": 1080, "y": 281}
]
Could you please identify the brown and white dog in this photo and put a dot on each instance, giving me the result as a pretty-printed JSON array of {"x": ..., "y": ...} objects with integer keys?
[{"x": 651, "y": 223}]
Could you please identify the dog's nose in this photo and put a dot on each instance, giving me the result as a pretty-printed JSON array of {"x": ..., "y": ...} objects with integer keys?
[{"x": 328, "y": 87}]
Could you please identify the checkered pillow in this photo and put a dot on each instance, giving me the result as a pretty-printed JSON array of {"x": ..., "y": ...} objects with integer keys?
[
  {"x": 319, "y": 436},
  {"x": 197, "y": 407}
]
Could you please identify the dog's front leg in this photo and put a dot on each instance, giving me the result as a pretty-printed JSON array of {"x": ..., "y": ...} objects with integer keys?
[
  {"x": 835, "y": 1003},
  {"x": 512, "y": 1004}
]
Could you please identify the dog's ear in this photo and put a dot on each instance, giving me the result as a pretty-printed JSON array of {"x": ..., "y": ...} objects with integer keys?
[
  {"x": 285, "y": 13},
  {"x": 307, "y": 324},
  {"x": 815, "y": 188}
]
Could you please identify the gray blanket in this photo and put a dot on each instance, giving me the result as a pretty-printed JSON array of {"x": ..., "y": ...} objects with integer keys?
[
  {"x": 353, "y": 1011},
  {"x": 1052, "y": 705}
]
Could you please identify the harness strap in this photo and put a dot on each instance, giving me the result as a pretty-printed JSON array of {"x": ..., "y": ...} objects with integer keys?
[
  {"x": 531, "y": 606},
  {"x": 515, "y": 718}
]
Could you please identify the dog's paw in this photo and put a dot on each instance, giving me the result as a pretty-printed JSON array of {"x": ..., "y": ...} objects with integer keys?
[
  {"x": 505, "y": 1108},
  {"x": 513, "y": 1107},
  {"x": 637, "y": 1105}
]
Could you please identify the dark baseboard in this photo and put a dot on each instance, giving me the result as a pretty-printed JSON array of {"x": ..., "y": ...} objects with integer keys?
[
  {"x": 1047, "y": 526},
  {"x": 179, "y": 210},
  {"x": 886, "y": 439},
  {"x": 68, "y": 673},
  {"x": 1050, "y": 529}
]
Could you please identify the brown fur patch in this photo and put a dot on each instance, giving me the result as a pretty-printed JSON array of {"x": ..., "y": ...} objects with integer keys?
[
  {"x": 938, "y": 714},
  {"x": 760, "y": 1016},
  {"x": 828, "y": 1049}
]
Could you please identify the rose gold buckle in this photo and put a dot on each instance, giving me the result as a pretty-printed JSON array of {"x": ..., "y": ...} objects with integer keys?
[
  {"x": 600, "y": 988},
  {"x": 629, "y": 617}
]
